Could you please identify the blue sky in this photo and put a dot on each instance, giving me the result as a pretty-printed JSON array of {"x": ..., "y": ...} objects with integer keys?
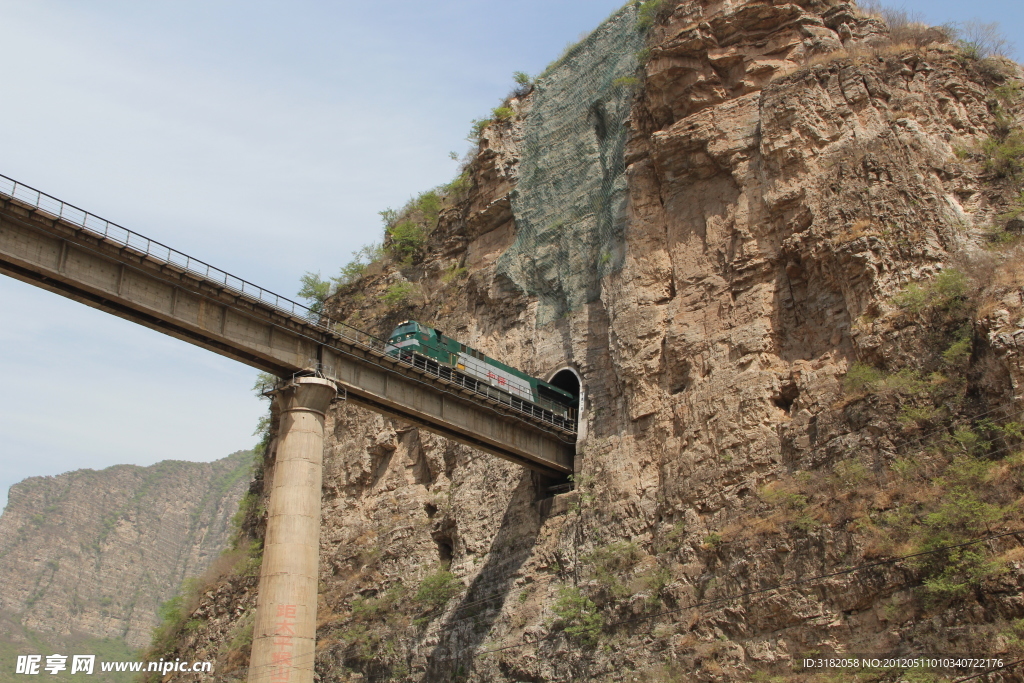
[{"x": 262, "y": 137}]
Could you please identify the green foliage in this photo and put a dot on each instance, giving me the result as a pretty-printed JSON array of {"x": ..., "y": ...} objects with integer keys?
[
  {"x": 248, "y": 505},
  {"x": 453, "y": 273},
  {"x": 522, "y": 78},
  {"x": 1010, "y": 430},
  {"x": 398, "y": 294},
  {"x": 649, "y": 14},
  {"x": 578, "y": 616},
  {"x": 785, "y": 498},
  {"x": 315, "y": 291},
  {"x": 861, "y": 376},
  {"x": 1016, "y": 209},
  {"x": 958, "y": 352},
  {"x": 967, "y": 441},
  {"x": 379, "y": 607},
  {"x": 654, "y": 582},
  {"x": 253, "y": 558},
  {"x": 672, "y": 539},
  {"x": 805, "y": 523},
  {"x": 954, "y": 572},
  {"x": 263, "y": 381},
  {"x": 406, "y": 238},
  {"x": 913, "y": 299},
  {"x": 1010, "y": 93},
  {"x": 626, "y": 82},
  {"x": 948, "y": 286},
  {"x": 915, "y": 415},
  {"x": 437, "y": 589},
  {"x": 609, "y": 564},
  {"x": 849, "y": 474},
  {"x": 945, "y": 291},
  {"x": 356, "y": 268},
  {"x": 713, "y": 540},
  {"x": 172, "y": 615},
  {"x": 428, "y": 205},
  {"x": 459, "y": 185},
  {"x": 407, "y": 229},
  {"x": 242, "y": 639},
  {"x": 1004, "y": 157},
  {"x": 476, "y": 129},
  {"x": 374, "y": 633},
  {"x": 502, "y": 114}
]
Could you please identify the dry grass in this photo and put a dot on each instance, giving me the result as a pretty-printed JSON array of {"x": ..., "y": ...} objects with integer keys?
[{"x": 860, "y": 228}]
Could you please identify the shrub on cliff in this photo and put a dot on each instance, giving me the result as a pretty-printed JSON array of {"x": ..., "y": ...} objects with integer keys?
[
  {"x": 648, "y": 14},
  {"x": 315, "y": 291},
  {"x": 437, "y": 589},
  {"x": 399, "y": 294},
  {"x": 578, "y": 616},
  {"x": 406, "y": 238}
]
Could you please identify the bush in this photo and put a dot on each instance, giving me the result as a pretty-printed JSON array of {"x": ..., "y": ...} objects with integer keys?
[
  {"x": 577, "y": 615},
  {"x": 958, "y": 352},
  {"x": 713, "y": 540},
  {"x": 399, "y": 294},
  {"x": 961, "y": 517},
  {"x": 609, "y": 563},
  {"x": 524, "y": 84},
  {"x": 437, "y": 589},
  {"x": 477, "y": 127},
  {"x": 406, "y": 238},
  {"x": 453, "y": 273},
  {"x": 945, "y": 291},
  {"x": 978, "y": 40},
  {"x": 315, "y": 291},
  {"x": 503, "y": 114},
  {"x": 1004, "y": 158},
  {"x": 361, "y": 258},
  {"x": 377, "y": 626},
  {"x": 648, "y": 15},
  {"x": 861, "y": 376},
  {"x": 459, "y": 185}
]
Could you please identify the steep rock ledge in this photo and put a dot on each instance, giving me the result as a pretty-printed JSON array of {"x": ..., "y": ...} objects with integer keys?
[{"x": 789, "y": 174}]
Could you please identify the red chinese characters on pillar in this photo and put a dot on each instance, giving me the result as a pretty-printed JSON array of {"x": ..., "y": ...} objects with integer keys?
[{"x": 284, "y": 633}]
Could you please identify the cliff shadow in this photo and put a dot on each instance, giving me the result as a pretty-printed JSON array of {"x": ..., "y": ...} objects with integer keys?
[{"x": 466, "y": 626}]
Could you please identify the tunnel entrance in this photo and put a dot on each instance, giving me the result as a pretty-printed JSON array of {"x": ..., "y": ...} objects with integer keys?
[{"x": 567, "y": 380}]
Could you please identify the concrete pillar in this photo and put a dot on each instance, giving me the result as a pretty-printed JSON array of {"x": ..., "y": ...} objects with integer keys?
[{"x": 284, "y": 636}]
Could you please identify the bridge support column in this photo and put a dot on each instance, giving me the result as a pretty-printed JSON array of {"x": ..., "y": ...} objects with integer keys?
[{"x": 284, "y": 636}]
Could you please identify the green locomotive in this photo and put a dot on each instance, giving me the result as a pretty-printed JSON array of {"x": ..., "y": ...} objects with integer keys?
[{"x": 429, "y": 349}]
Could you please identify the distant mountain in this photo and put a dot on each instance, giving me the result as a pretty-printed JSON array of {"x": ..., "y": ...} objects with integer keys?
[{"x": 87, "y": 557}]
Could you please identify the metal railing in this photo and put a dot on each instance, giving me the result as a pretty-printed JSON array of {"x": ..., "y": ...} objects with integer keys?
[{"x": 161, "y": 253}]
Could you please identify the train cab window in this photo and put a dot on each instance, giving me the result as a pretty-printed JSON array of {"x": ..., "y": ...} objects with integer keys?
[{"x": 405, "y": 330}]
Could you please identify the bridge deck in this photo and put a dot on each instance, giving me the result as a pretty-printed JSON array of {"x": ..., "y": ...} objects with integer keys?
[{"x": 71, "y": 252}]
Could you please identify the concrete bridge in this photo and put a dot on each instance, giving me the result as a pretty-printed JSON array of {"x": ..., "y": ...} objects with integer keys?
[{"x": 68, "y": 251}]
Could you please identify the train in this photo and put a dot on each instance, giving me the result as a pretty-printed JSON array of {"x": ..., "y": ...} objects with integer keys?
[{"x": 441, "y": 355}]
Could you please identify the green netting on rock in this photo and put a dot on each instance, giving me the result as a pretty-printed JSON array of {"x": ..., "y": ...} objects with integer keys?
[{"x": 570, "y": 201}]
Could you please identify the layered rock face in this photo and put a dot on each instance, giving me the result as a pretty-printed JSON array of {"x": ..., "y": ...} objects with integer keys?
[
  {"x": 788, "y": 173},
  {"x": 92, "y": 554}
]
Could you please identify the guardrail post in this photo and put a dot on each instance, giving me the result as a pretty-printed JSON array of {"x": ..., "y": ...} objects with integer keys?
[{"x": 284, "y": 636}]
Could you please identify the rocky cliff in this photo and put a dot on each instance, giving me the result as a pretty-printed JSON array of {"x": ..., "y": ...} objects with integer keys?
[
  {"x": 779, "y": 245},
  {"x": 87, "y": 557}
]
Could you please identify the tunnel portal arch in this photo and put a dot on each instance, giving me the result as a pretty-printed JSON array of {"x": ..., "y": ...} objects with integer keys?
[{"x": 569, "y": 379}]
